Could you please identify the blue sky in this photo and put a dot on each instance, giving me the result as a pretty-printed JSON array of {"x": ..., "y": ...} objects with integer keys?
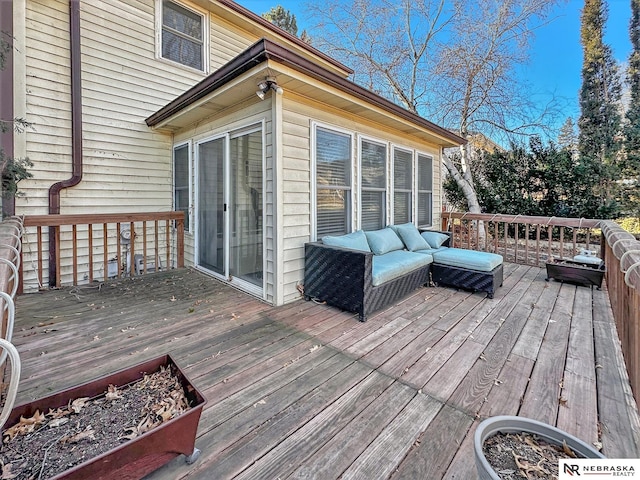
[{"x": 556, "y": 58}]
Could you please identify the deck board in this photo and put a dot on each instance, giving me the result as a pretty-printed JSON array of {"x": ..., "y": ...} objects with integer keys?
[
  {"x": 439, "y": 444},
  {"x": 307, "y": 391},
  {"x": 542, "y": 400}
]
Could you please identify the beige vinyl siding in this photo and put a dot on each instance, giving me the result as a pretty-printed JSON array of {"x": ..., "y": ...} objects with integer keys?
[
  {"x": 227, "y": 41},
  {"x": 299, "y": 114}
]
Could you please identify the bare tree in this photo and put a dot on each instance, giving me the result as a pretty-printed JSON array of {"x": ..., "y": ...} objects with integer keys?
[{"x": 452, "y": 61}]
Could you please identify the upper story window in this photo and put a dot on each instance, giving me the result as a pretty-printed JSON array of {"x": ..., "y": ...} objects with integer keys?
[{"x": 183, "y": 35}]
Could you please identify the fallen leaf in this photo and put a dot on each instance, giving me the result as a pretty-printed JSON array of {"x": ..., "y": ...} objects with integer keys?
[
  {"x": 58, "y": 413},
  {"x": 87, "y": 434},
  {"x": 112, "y": 393},
  {"x": 567, "y": 450},
  {"x": 56, "y": 422},
  {"x": 133, "y": 433},
  {"x": 6, "y": 472},
  {"x": 563, "y": 402},
  {"x": 78, "y": 404}
]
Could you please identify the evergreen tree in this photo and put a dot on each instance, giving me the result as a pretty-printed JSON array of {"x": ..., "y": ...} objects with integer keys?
[
  {"x": 599, "y": 121},
  {"x": 631, "y": 164},
  {"x": 568, "y": 137},
  {"x": 282, "y": 18}
]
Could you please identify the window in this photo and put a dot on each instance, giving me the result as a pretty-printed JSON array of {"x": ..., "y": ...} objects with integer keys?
[
  {"x": 425, "y": 190},
  {"x": 402, "y": 186},
  {"x": 373, "y": 162},
  {"x": 181, "y": 191},
  {"x": 182, "y": 35},
  {"x": 333, "y": 187}
]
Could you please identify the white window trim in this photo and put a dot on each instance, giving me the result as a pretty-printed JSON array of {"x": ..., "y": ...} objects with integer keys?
[
  {"x": 205, "y": 36},
  {"x": 392, "y": 186},
  {"x": 385, "y": 144},
  {"x": 313, "y": 180},
  {"x": 190, "y": 174},
  {"x": 418, "y": 154}
]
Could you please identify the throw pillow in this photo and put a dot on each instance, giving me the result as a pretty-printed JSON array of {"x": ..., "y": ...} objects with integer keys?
[
  {"x": 355, "y": 241},
  {"x": 384, "y": 241},
  {"x": 435, "y": 239},
  {"x": 411, "y": 237}
]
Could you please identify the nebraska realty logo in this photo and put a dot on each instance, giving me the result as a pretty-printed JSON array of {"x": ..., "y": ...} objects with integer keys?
[{"x": 597, "y": 468}]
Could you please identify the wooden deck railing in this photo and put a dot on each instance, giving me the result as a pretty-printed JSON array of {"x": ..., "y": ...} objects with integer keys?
[
  {"x": 523, "y": 239},
  {"x": 622, "y": 259},
  {"x": 69, "y": 249}
]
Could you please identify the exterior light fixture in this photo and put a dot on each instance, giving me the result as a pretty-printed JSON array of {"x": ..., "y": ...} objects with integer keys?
[{"x": 269, "y": 83}]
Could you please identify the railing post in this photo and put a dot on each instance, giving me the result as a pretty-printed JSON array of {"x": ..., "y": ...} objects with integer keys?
[{"x": 180, "y": 242}]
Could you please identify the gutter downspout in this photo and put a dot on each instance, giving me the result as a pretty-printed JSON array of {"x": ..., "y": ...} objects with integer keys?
[{"x": 76, "y": 135}]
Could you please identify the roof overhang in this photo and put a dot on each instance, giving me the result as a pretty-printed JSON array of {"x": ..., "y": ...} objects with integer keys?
[{"x": 236, "y": 82}]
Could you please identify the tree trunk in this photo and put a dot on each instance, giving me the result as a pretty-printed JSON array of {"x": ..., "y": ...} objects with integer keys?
[
  {"x": 467, "y": 187},
  {"x": 464, "y": 184}
]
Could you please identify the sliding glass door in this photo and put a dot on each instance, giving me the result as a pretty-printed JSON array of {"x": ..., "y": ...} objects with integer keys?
[{"x": 230, "y": 206}]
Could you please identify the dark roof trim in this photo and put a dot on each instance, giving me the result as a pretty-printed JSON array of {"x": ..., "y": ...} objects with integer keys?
[
  {"x": 283, "y": 33},
  {"x": 264, "y": 50}
]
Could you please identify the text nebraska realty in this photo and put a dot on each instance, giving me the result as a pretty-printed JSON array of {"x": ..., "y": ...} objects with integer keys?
[{"x": 613, "y": 470}]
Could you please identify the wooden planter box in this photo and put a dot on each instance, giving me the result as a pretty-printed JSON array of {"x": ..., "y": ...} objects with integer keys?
[
  {"x": 135, "y": 458},
  {"x": 576, "y": 272}
]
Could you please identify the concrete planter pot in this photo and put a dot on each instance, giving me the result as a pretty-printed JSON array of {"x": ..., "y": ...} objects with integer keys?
[
  {"x": 137, "y": 457},
  {"x": 513, "y": 424}
]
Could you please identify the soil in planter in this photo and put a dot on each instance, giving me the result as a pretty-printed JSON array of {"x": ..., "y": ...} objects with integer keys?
[
  {"x": 51, "y": 442},
  {"x": 517, "y": 456}
]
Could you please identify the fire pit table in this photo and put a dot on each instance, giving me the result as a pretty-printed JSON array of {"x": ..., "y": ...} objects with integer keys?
[{"x": 580, "y": 273}]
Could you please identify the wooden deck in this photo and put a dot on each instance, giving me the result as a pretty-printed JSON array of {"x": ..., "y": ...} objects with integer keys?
[{"x": 306, "y": 391}]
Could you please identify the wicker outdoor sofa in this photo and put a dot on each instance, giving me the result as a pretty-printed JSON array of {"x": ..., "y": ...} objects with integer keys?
[{"x": 364, "y": 271}]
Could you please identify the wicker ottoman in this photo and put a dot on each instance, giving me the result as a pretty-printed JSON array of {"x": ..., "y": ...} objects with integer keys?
[{"x": 467, "y": 269}]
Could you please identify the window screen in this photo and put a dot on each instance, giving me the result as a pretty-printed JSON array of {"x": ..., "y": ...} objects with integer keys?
[
  {"x": 333, "y": 177},
  {"x": 425, "y": 190},
  {"x": 373, "y": 159},
  {"x": 402, "y": 186},
  {"x": 181, "y": 182}
]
